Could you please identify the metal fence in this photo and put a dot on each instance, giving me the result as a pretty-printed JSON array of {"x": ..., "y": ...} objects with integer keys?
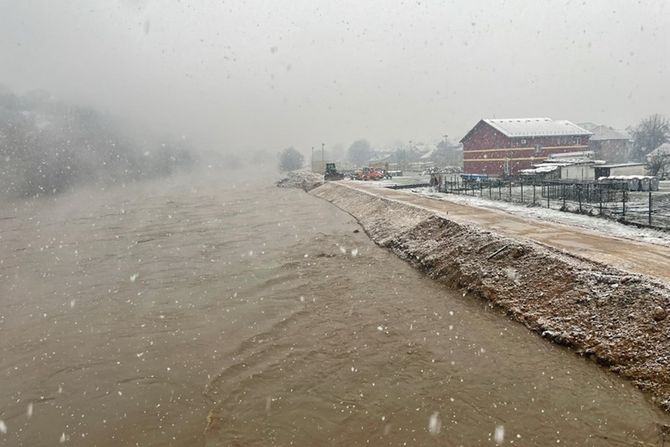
[{"x": 608, "y": 200}]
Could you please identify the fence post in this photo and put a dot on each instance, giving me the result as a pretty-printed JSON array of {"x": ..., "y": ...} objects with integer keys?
[
  {"x": 548, "y": 194},
  {"x": 650, "y": 206},
  {"x": 600, "y": 199},
  {"x": 579, "y": 197},
  {"x": 563, "y": 194},
  {"x": 510, "y": 191},
  {"x": 521, "y": 191},
  {"x": 623, "y": 202},
  {"x": 533, "y": 192},
  {"x": 499, "y": 190},
  {"x": 490, "y": 194},
  {"x": 480, "y": 189}
]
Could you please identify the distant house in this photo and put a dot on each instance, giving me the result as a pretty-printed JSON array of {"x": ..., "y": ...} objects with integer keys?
[
  {"x": 608, "y": 144},
  {"x": 663, "y": 151},
  {"x": 498, "y": 147},
  {"x": 660, "y": 157}
]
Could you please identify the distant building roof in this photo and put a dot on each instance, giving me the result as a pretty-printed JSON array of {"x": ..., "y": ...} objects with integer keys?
[
  {"x": 429, "y": 153},
  {"x": 602, "y": 133},
  {"x": 588, "y": 126},
  {"x": 663, "y": 149},
  {"x": 535, "y": 127}
]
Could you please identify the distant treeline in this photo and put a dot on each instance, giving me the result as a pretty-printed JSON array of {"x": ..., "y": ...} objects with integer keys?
[{"x": 47, "y": 147}]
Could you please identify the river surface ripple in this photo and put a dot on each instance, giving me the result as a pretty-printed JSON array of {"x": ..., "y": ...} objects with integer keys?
[{"x": 242, "y": 314}]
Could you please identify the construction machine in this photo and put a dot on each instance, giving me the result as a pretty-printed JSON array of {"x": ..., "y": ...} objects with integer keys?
[
  {"x": 368, "y": 173},
  {"x": 331, "y": 173}
]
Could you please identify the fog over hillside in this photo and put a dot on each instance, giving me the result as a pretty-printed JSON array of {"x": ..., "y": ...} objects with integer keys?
[{"x": 47, "y": 147}]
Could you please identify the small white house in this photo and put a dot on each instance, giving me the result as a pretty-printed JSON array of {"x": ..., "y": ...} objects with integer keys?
[
  {"x": 579, "y": 171},
  {"x": 574, "y": 165}
]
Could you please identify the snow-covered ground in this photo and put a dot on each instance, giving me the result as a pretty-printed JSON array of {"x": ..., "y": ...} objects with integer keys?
[
  {"x": 410, "y": 179},
  {"x": 596, "y": 224}
]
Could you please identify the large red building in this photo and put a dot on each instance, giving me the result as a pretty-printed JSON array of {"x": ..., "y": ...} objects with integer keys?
[{"x": 499, "y": 147}]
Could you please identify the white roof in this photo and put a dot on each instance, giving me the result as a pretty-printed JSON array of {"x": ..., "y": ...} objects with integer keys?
[
  {"x": 622, "y": 165},
  {"x": 535, "y": 127},
  {"x": 604, "y": 133},
  {"x": 540, "y": 169},
  {"x": 663, "y": 149}
]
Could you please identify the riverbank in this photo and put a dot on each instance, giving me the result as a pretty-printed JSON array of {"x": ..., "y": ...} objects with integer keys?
[{"x": 619, "y": 319}]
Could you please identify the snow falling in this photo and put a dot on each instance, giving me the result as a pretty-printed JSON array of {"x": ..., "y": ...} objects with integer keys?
[
  {"x": 499, "y": 435},
  {"x": 215, "y": 224},
  {"x": 434, "y": 424}
]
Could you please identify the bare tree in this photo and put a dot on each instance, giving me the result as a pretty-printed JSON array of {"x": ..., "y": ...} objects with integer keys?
[
  {"x": 290, "y": 160},
  {"x": 359, "y": 152},
  {"x": 658, "y": 164},
  {"x": 649, "y": 134}
]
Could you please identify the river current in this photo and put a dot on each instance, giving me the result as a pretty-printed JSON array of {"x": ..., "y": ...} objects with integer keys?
[{"x": 230, "y": 312}]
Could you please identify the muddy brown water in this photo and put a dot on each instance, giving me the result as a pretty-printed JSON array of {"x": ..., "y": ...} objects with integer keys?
[{"x": 200, "y": 313}]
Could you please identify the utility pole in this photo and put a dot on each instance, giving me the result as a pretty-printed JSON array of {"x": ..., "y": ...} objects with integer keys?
[
  {"x": 312, "y": 159},
  {"x": 323, "y": 159},
  {"x": 410, "y": 149}
]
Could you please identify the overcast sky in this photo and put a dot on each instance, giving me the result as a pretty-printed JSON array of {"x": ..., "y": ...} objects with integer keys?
[{"x": 237, "y": 75}]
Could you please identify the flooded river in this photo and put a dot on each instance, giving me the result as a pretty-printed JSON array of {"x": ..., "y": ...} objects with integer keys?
[{"x": 203, "y": 313}]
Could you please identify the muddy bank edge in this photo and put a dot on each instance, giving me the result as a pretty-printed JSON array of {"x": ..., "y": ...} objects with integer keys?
[{"x": 616, "y": 318}]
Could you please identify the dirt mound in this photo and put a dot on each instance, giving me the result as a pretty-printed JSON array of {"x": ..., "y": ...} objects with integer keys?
[
  {"x": 619, "y": 319},
  {"x": 305, "y": 180}
]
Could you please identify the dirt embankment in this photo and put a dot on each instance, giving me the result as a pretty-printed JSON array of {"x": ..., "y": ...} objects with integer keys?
[{"x": 617, "y": 318}]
